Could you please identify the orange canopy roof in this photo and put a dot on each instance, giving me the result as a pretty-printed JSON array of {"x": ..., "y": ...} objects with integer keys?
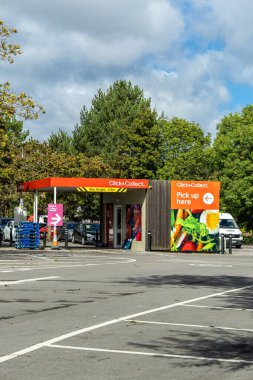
[{"x": 72, "y": 184}]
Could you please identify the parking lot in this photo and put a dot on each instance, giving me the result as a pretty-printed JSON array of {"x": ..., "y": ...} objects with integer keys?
[{"x": 112, "y": 314}]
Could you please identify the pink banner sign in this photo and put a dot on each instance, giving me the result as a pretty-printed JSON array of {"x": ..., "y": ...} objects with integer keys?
[{"x": 55, "y": 214}]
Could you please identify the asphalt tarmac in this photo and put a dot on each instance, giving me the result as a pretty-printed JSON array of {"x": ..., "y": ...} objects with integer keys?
[{"x": 88, "y": 313}]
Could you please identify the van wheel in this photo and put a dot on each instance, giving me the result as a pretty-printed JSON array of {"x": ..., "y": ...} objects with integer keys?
[{"x": 238, "y": 246}]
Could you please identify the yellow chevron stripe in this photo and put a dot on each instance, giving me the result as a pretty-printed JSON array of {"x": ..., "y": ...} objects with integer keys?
[
  {"x": 83, "y": 189},
  {"x": 101, "y": 189}
]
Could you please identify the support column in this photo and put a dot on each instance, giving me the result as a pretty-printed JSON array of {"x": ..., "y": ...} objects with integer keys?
[
  {"x": 35, "y": 207},
  {"x": 55, "y": 195}
]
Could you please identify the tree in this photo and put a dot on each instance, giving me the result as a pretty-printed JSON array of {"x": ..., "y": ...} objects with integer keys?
[
  {"x": 7, "y": 50},
  {"x": 61, "y": 142},
  {"x": 122, "y": 129},
  {"x": 12, "y": 104},
  {"x": 36, "y": 160},
  {"x": 184, "y": 151},
  {"x": 232, "y": 155},
  {"x": 11, "y": 147}
]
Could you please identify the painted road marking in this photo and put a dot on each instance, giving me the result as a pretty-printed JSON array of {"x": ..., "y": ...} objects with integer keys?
[
  {"x": 188, "y": 325},
  {"x": 154, "y": 354},
  {"x": 193, "y": 261},
  {"x": 15, "y": 270},
  {"x": 63, "y": 265},
  {"x": 111, "y": 322},
  {"x": 2, "y": 283},
  {"x": 218, "y": 307},
  {"x": 212, "y": 265}
]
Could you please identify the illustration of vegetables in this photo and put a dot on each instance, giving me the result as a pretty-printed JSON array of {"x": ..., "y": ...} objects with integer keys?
[
  {"x": 197, "y": 234},
  {"x": 189, "y": 246},
  {"x": 199, "y": 246},
  {"x": 178, "y": 226},
  {"x": 181, "y": 238}
]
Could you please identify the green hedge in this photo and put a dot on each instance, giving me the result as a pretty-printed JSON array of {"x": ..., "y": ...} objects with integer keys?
[{"x": 248, "y": 239}]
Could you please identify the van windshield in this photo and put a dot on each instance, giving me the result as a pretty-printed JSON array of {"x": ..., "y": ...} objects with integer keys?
[{"x": 228, "y": 223}]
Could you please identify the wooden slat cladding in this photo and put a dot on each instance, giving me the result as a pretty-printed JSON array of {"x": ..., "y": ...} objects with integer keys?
[{"x": 158, "y": 214}]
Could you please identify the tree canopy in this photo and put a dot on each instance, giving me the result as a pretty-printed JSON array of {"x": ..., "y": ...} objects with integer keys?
[
  {"x": 122, "y": 129},
  {"x": 232, "y": 155},
  {"x": 12, "y": 104},
  {"x": 11, "y": 130},
  {"x": 61, "y": 142},
  {"x": 184, "y": 151}
]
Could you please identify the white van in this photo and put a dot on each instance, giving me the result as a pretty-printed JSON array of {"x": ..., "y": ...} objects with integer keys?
[{"x": 228, "y": 227}]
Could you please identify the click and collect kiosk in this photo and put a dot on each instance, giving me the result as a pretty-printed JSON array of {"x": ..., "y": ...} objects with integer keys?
[{"x": 152, "y": 214}]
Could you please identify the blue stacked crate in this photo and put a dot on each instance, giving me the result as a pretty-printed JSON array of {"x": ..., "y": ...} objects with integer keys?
[{"x": 28, "y": 235}]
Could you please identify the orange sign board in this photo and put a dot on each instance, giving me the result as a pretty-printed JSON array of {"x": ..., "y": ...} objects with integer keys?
[{"x": 202, "y": 195}]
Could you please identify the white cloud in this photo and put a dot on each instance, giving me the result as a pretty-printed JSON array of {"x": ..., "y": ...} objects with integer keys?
[{"x": 183, "y": 53}]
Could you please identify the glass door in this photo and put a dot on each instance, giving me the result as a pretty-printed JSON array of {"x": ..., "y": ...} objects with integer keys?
[{"x": 117, "y": 226}]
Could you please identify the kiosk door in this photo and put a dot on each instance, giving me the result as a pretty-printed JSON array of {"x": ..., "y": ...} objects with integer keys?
[{"x": 117, "y": 226}]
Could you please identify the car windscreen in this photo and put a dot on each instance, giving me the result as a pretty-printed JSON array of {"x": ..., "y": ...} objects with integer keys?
[
  {"x": 91, "y": 227},
  {"x": 4, "y": 221},
  {"x": 70, "y": 225},
  {"x": 228, "y": 223}
]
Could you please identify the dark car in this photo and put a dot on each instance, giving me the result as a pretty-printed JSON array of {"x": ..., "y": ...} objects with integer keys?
[
  {"x": 4, "y": 221},
  {"x": 86, "y": 233},
  {"x": 70, "y": 227},
  {"x": 1, "y": 235}
]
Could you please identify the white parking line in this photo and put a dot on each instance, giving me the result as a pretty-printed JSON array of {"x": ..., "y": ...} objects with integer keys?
[
  {"x": 188, "y": 325},
  {"x": 2, "y": 283},
  {"x": 154, "y": 354},
  {"x": 212, "y": 265},
  {"x": 15, "y": 270},
  {"x": 218, "y": 307},
  {"x": 64, "y": 265},
  {"x": 196, "y": 262},
  {"x": 111, "y": 322}
]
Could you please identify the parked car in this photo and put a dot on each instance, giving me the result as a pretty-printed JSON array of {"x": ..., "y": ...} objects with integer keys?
[
  {"x": 228, "y": 227},
  {"x": 86, "y": 233},
  {"x": 44, "y": 229},
  {"x": 1, "y": 235},
  {"x": 4, "y": 221},
  {"x": 70, "y": 227},
  {"x": 7, "y": 231}
]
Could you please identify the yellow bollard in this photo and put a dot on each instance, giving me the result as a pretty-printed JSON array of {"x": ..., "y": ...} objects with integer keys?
[{"x": 55, "y": 240}]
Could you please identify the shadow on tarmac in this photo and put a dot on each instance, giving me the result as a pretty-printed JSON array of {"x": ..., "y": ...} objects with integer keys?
[{"x": 213, "y": 343}]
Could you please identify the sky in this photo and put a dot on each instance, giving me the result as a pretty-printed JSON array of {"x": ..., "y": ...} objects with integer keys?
[{"x": 193, "y": 58}]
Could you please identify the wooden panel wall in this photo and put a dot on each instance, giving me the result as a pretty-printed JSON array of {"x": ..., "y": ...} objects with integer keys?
[{"x": 158, "y": 215}]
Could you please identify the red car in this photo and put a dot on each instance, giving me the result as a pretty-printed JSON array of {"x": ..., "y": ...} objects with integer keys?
[{"x": 44, "y": 228}]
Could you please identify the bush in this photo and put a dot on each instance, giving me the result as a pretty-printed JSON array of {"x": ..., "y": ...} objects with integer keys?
[{"x": 248, "y": 239}]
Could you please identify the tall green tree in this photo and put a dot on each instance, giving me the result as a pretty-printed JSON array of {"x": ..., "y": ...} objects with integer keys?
[
  {"x": 122, "y": 129},
  {"x": 232, "y": 155},
  {"x": 61, "y": 142},
  {"x": 184, "y": 151}
]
